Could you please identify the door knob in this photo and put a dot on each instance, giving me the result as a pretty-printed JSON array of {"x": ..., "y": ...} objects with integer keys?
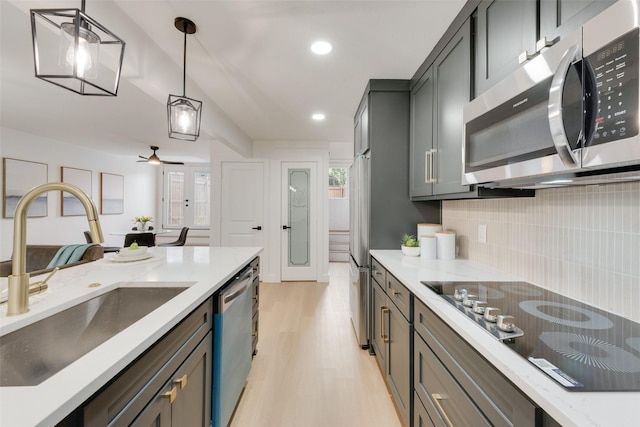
[
  {"x": 285, "y": 227},
  {"x": 257, "y": 228}
]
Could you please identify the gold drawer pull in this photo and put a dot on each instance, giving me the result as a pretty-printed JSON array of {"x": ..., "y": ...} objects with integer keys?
[
  {"x": 181, "y": 381},
  {"x": 395, "y": 293},
  {"x": 171, "y": 394},
  {"x": 436, "y": 399},
  {"x": 384, "y": 310}
]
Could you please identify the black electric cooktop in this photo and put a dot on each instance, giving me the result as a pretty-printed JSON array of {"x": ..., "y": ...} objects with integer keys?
[{"x": 581, "y": 347}]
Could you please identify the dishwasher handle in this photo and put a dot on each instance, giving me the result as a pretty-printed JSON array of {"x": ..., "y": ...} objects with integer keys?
[{"x": 235, "y": 289}]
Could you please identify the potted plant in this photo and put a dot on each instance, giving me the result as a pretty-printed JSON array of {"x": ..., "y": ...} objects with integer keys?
[
  {"x": 143, "y": 222},
  {"x": 410, "y": 245}
]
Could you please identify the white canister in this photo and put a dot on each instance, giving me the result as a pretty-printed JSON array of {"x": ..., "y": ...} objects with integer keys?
[
  {"x": 428, "y": 229},
  {"x": 446, "y": 244},
  {"x": 428, "y": 247}
]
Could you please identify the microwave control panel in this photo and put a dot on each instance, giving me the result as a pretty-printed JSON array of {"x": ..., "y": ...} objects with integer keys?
[{"x": 616, "y": 71}]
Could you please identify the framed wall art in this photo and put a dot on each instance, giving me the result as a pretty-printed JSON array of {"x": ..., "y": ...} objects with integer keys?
[
  {"x": 19, "y": 177},
  {"x": 111, "y": 194},
  {"x": 81, "y": 178}
]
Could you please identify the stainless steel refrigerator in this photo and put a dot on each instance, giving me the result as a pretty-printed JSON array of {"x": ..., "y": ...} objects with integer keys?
[{"x": 359, "y": 248}]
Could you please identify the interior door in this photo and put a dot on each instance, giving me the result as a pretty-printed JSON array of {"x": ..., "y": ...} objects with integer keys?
[
  {"x": 242, "y": 204},
  {"x": 299, "y": 221}
]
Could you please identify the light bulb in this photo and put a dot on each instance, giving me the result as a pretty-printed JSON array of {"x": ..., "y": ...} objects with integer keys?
[
  {"x": 185, "y": 119},
  {"x": 82, "y": 57}
]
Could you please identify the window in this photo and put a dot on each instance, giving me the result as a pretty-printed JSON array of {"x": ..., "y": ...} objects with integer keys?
[
  {"x": 338, "y": 183},
  {"x": 186, "y": 201}
]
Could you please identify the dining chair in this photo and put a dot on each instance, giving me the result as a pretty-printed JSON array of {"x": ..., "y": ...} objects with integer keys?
[
  {"x": 182, "y": 238},
  {"x": 88, "y": 236},
  {"x": 142, "y": 239}
]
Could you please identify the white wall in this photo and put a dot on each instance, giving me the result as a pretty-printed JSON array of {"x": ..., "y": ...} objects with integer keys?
[
  {"x": 273, "y": 153},
  {"x": 139, "y": 190}
]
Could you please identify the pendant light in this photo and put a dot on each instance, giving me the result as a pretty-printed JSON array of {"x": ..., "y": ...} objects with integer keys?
[
  {"x": 184, "y": 113},
  {"x": 74, "y": 51}
]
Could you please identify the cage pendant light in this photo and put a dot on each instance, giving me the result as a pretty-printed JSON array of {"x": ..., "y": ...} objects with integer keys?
[
  {"x": 184, "y": 113},
  {"x": 74, "y": 51}
]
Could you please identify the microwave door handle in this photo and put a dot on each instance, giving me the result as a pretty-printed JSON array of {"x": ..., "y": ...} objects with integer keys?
[{"x": 556, "y": 123}]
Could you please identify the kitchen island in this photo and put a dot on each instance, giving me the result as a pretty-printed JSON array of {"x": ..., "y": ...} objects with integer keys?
[
  {"x": 202, "y": 269},
  {"x": 567, "y": 408}
]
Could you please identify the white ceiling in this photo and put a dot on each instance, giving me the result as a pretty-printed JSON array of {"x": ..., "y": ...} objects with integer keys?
[{"x": 249, "y": 62}]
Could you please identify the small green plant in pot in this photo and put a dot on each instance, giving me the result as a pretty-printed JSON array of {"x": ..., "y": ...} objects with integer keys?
[{"x": 410, "y": 245}]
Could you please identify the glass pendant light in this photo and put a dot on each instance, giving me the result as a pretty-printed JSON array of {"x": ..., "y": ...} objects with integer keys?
[
  {"x": 73, "y": 51},
  {"x": 184, "y": 113}
]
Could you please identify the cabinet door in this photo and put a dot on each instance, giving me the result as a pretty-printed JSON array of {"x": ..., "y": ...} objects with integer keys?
[
  {"x": 185, "y": 400},
  {"x": 452, "y": 77},
  {"x": 399, "y": 362},
  {"x": 421, "y": 137},
  {"x": 420, "y": 416},
  {"x": 560, "y": 17},
  {"x": 378, "y": 328},
  {"x": 505, "y": 29},
  {"x": 446, "y": 403}
]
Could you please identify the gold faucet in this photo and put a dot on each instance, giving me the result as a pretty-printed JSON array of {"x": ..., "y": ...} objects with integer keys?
[{"x": 18, "y": 286}]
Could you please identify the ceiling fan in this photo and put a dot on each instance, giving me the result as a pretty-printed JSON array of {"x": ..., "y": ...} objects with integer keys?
[{"x": 155, "y": 160}]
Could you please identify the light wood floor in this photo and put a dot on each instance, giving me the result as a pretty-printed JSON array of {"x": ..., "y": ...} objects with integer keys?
[{"x": 309, "y": 370}]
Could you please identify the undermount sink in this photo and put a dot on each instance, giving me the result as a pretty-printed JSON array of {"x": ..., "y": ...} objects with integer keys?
[{"x": 35, "y": 352}]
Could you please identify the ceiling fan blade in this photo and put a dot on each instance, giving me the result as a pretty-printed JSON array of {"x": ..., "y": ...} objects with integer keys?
[
  {"x": 167, "y": 162},
  {"x": 141, "y": 161},
  {"x": 142, "y": 157}
]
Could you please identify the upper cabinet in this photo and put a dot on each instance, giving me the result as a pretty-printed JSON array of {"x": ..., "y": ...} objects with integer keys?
[
  {"x": 436, "y": 120},
  {"x": 361, "y": 130},
  {"x": 508, "y": 33},
  {"x": 560, "y": 17}
]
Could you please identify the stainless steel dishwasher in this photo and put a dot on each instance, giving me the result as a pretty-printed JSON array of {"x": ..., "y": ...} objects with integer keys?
[{"x": 232, "y": 342}]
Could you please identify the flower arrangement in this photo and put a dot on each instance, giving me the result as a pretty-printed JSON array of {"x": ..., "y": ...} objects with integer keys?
[{"x": 142, "y": 219}]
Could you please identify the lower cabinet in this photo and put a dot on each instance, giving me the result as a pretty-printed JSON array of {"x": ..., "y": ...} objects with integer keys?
[
  {"x": 169, "y": 385},
  {"x": 391, "y": 338},
  {"x": 457, "y": 386},
  {"x": 181, "y": 401}
]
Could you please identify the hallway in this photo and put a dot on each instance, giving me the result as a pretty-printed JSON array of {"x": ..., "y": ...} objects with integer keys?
[{"x": 309, "y": 371}]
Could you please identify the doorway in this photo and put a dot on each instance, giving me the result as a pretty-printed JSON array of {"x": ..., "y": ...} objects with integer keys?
[{"x": 299, "y": 221}]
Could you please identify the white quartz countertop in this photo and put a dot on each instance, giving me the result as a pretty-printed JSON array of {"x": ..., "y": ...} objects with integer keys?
[
  {"x": 568, "y": 408},
  {"x": 203, "y": 269}
]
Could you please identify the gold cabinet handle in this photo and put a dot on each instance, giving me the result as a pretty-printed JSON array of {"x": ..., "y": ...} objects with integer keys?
[
  {"x": 255, "y": 334},
  {"x": 395, "y": 293},
  {"x": 171, "y": 394},
  {"x": 436, "y": 399},
  {"x": 182, "y": 382},
  {"x": 384, "y": 310}
]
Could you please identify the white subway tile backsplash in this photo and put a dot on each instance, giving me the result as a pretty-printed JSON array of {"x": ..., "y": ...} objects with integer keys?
[{"x": 583, "y": 242}]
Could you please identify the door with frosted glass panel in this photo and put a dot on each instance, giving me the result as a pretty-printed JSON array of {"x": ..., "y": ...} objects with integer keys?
[{"x": 299, "y": 221}]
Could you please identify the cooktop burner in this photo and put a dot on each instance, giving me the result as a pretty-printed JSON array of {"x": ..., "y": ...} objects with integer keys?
[{"x": 581, "y": 347}]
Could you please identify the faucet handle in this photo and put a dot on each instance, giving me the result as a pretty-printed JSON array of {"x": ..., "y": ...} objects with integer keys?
[{"x": 41, "y": 286}]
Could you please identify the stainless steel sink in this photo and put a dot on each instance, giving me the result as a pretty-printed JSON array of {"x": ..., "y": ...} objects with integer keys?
[{"x": 35, "y": 352}]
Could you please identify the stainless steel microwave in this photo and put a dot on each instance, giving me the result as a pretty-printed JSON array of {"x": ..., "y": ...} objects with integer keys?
[{"x": 567, "y": 115}]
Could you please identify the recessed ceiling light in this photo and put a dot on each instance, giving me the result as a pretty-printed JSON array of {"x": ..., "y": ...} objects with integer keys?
[
  {"x": 318, "y": 117},
  {"x": 321, "y": 47}
]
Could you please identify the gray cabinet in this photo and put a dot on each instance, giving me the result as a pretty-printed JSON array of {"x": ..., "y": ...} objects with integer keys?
[
  {"x": 437, "y": 102},
  {"x": 181, "y": 401},
  {"x": 511, "y": 32},
  {"x": 170, "y": 384},
  {"x": 382, "y": 119},
  {"x": 457, "y": 386},
  {"x": 505, "y": 29},
  {"x": 560, "y": 17},
  {"x": 391, "y": 340}
]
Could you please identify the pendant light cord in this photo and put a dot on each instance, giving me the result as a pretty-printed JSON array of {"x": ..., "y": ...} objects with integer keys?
[{"x": 184, "y": 61}]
